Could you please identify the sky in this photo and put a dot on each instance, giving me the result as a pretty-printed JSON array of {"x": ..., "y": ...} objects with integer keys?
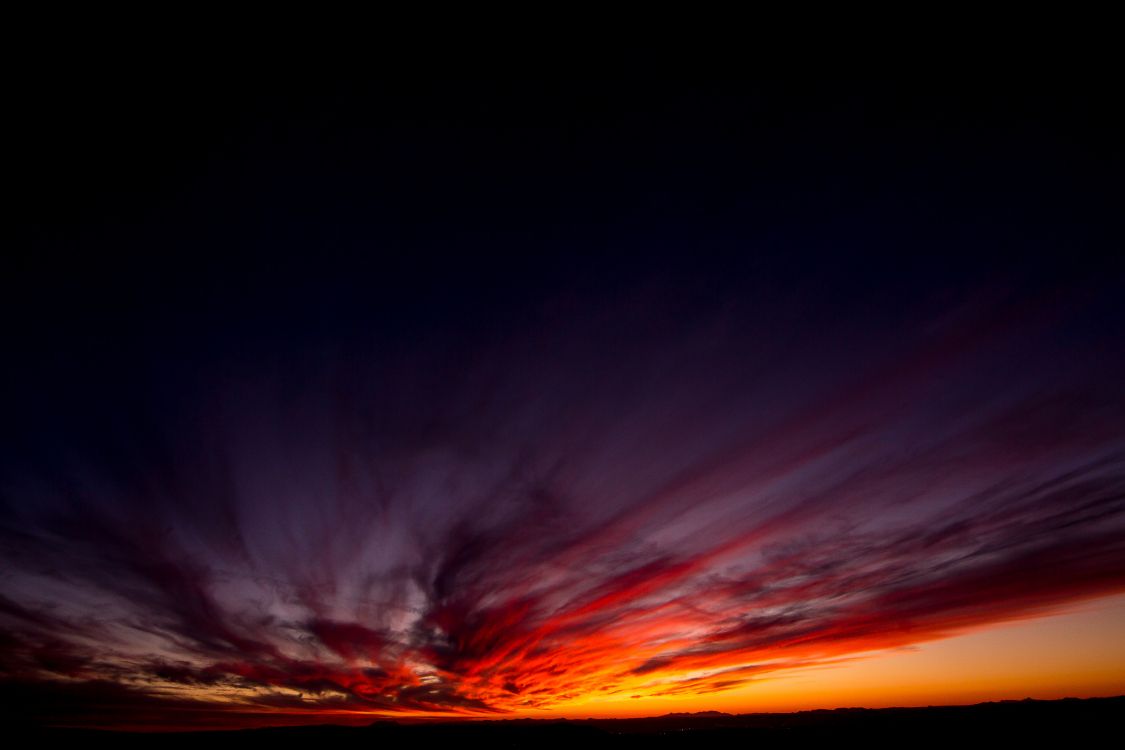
[{"x": 460, "y": 395}]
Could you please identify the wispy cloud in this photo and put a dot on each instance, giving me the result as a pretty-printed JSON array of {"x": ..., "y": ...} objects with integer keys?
[{"x": 586, "y": 510}]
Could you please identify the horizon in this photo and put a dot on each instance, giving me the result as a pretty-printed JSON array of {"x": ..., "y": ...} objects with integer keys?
[
  {"x": 468, "y": 396},
  {"x": 453, "y": 721}
]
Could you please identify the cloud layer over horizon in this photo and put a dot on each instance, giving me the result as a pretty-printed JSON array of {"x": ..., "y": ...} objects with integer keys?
[{"x": 646, "y": 497}]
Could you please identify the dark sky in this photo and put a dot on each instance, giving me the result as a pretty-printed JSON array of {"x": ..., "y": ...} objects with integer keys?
[{"x": 448, "y": 391}]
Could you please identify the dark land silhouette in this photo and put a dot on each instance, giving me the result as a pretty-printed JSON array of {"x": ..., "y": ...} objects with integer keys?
[{"x": 1088, "y": 722}]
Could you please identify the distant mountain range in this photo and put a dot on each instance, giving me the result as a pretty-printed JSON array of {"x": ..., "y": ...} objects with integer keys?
[{"x": 1075, "y": 722}]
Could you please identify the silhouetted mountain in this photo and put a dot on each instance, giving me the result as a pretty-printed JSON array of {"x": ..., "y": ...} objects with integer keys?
[{"x": 1074, "y": 721}]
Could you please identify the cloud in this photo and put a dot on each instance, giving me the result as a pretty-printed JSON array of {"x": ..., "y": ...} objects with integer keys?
[{"x": 578, "y": 513}]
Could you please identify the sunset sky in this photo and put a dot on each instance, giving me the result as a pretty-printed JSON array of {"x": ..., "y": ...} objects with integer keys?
[{"x": 470, "y": 397}]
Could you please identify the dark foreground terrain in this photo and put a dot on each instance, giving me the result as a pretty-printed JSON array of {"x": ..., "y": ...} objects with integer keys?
[{"x": 1084, "y": 722}]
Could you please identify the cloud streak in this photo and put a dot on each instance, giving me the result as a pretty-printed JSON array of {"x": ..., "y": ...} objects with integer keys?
[{"x": 587, "y": 507}]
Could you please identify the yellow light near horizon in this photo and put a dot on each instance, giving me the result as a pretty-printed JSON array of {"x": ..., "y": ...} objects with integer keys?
[{"x": 1079, "y": 653}]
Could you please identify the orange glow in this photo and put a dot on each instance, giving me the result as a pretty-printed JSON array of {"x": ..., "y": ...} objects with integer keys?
[{"x": 1077, "y": 653}]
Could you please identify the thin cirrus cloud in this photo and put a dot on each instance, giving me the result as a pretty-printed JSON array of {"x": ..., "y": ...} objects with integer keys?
[{"x": 602, "y": 505}]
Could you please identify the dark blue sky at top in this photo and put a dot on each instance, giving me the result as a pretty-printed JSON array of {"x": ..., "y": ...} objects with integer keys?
[{"x": 173, "y": 221}]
